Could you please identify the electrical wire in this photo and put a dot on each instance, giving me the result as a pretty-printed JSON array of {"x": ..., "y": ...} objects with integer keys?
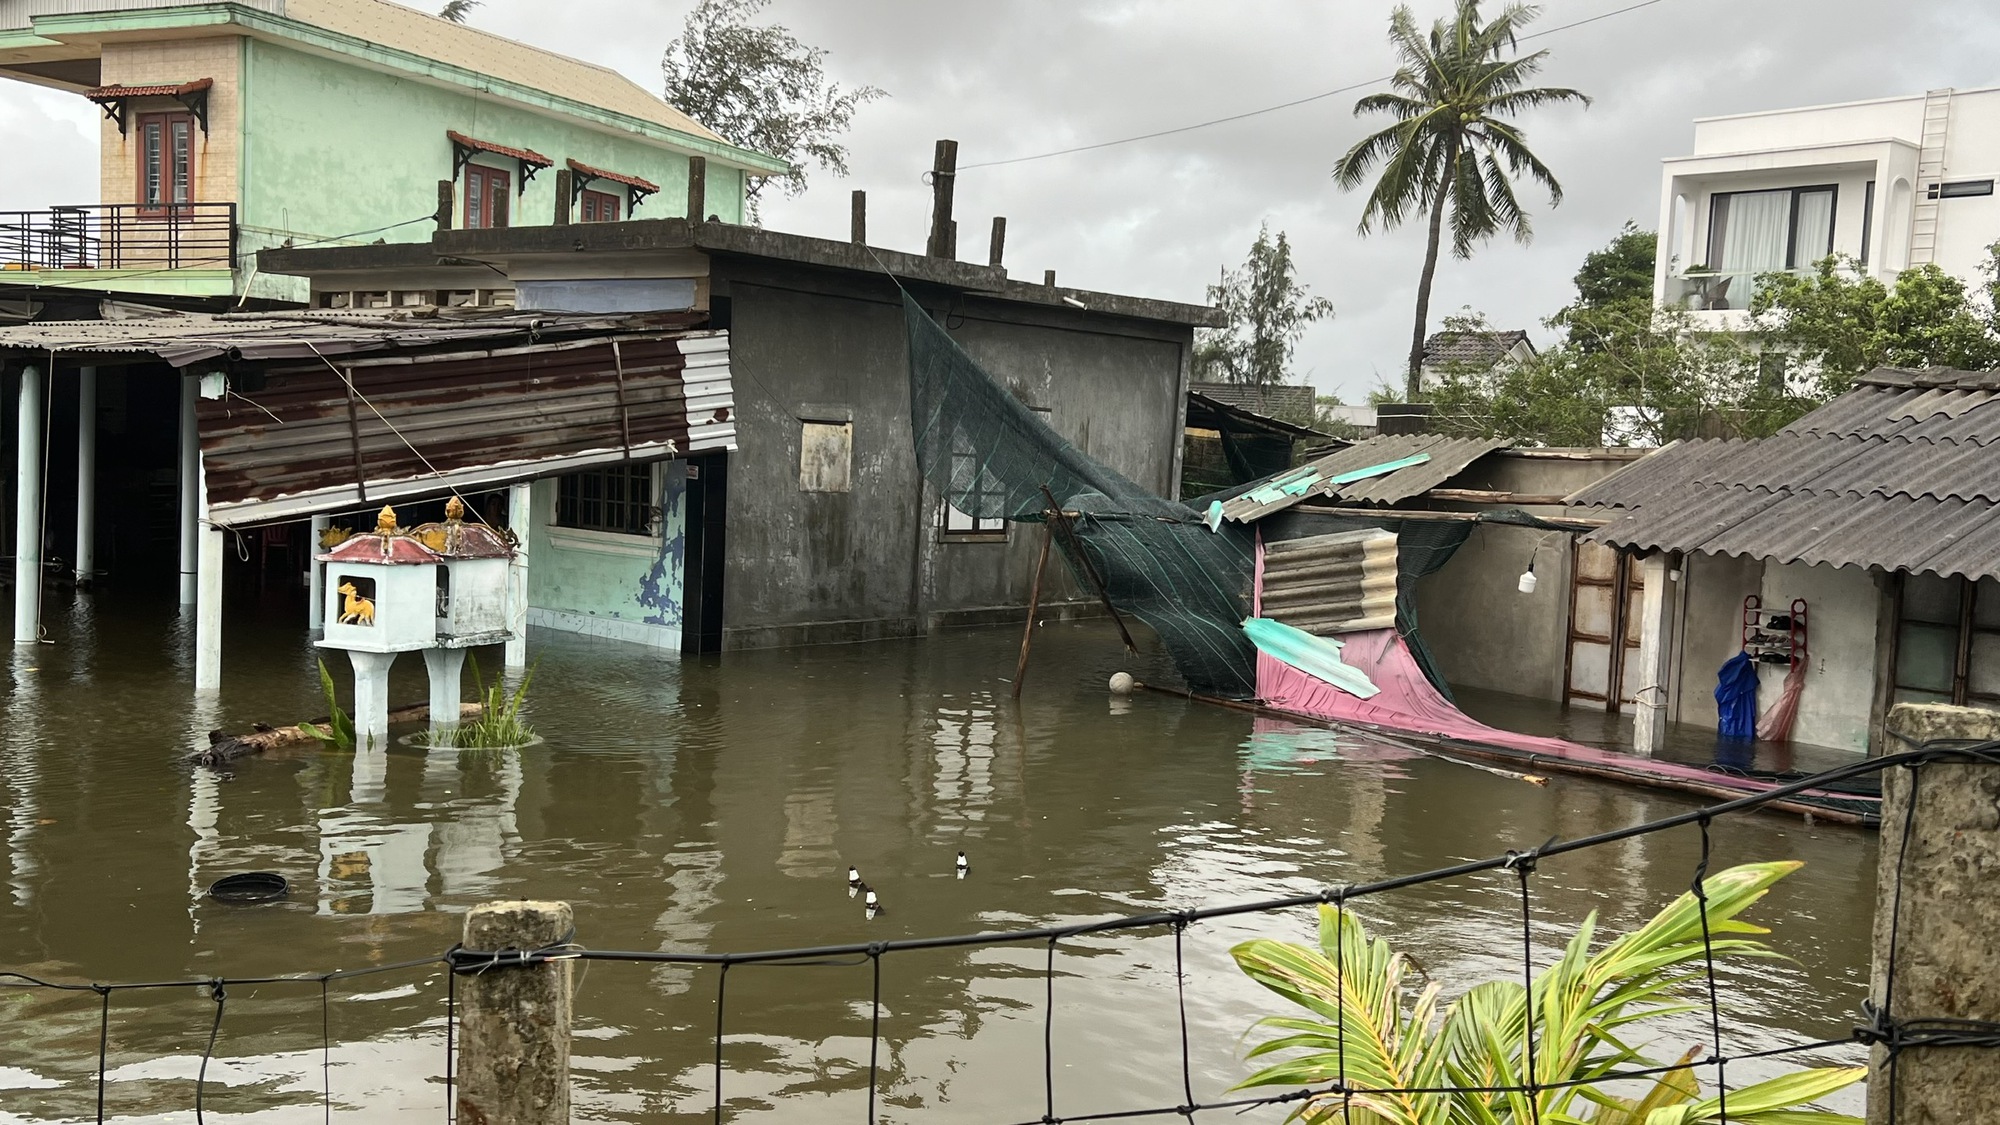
[{"x": 1310, "y": 98}]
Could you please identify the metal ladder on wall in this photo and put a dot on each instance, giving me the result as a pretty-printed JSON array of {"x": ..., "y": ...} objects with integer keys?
[{"x": 1930, "y": 174}]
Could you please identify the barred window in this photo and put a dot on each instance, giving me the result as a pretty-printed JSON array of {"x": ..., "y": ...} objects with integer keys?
[{"x": 617, "y": 499}]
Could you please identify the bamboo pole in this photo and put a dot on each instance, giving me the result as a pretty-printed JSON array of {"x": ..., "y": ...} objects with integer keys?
[
  {"x": 1065, "y": 521},
  {"x": 1034, "y": 604}
]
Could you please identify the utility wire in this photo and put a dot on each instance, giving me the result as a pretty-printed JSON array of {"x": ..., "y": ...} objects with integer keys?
[{"x": 1347, "y": 89}]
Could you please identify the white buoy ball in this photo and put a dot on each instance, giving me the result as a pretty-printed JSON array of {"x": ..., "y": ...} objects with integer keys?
[{"x": 1122, "y": 683}]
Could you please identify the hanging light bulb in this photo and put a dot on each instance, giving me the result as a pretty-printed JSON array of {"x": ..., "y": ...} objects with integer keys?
[{"x": 1527, "y": 583}]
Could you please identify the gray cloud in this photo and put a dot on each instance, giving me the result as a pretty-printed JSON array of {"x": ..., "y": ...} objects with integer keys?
[{"x": 1159, "y": 217}]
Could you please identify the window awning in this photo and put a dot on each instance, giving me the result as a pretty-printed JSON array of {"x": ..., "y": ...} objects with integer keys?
[
  {"x": 581, "y": 174},
  {"x": 464, "y": 148},
  {"x": 193, "y": 95}
]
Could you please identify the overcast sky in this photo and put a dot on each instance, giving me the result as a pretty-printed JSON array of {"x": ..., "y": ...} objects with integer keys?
[{"x": 1158, "y": 217}]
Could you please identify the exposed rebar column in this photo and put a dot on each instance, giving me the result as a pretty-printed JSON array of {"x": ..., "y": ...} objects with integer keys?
[
  {"x": 190, "y": 509},
  {"x": 28, "y": 512},
  {"x": 1937, "y": 922},
  {"x": 86, "y": 475},
  {"x": 514, "y": 1026}
]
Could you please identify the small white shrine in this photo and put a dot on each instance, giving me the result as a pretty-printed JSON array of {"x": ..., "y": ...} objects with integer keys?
[{"x": 439, "y": 589}]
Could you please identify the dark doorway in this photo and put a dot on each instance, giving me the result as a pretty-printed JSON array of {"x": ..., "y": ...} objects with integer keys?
[{"x": 707, "y": 509}]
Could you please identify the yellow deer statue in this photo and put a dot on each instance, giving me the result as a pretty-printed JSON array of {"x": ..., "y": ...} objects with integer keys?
[{"x": 355, "y": 610}]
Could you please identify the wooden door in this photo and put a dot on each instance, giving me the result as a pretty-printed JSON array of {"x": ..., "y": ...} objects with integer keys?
[{"x": 1606, "y": 591}]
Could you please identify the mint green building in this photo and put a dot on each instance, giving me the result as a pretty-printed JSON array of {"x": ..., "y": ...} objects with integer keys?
[{"x": 234, "y": 127}]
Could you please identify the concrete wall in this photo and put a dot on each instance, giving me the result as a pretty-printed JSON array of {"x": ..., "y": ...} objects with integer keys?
[
  {"x": 1841, "y": 611},
  {"x": 170, "y": 62},
  {"x": 814, "y": 346},
  {"x": 1483, "y": 631},
  {"x": 626, "y": 587},
  {"x": 330, "y": 148},
  {"x": 1709, "y": 627}
]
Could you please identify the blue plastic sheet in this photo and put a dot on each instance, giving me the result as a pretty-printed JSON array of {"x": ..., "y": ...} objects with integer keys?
[{"x": 1736, "y": 697}]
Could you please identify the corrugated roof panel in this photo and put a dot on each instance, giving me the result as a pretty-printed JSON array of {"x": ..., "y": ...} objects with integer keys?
[{"x": 1445, "y": 458}]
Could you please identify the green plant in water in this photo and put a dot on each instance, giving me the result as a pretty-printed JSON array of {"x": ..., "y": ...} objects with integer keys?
[
  {"x": 1365, "y": 1024},
  {"x": 339, "y": 729},
  {"x": 499, "y": 723}
]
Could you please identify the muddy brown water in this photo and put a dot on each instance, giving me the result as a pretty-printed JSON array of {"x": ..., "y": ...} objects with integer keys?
[{"x": 714, "y": 805}]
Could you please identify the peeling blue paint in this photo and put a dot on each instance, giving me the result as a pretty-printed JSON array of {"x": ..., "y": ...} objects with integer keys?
[{"x": 660, "y": 590}]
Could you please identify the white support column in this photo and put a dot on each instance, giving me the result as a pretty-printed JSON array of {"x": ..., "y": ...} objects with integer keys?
[
  {"x": 371, "y": 704},
  {"x": 520, "y": 498},
  {"x": 208, "y": 595},
  {"x": 86, "y": 475},
  {"x": 316, "y": 578},
  {"x": 190, "y": 466},
  {"x": 1656, "y": 643},
  {"x": 446, "y": 668},
  {"x": 28, "y": 512}
]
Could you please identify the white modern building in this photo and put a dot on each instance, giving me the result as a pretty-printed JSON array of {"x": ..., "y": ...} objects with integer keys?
[{"x": 1893, "y": 183}]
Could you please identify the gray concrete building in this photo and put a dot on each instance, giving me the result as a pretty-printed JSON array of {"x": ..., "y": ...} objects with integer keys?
[{"x": 818, "y": 528}]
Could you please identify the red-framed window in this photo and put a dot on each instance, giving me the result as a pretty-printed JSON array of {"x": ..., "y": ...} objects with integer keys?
[
  {"x": 166, "y": 161},
  {"x": 488, "y": 195},
  {"x": 600, "y": 207}
]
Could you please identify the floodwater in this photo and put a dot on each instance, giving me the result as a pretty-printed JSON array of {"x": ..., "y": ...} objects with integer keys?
[{"x": 715, "y": 805}]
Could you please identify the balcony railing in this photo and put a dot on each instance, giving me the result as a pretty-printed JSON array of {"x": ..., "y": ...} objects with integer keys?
[
  {"x": 119, "y": 236},
  {"x": 1699, "y": 290}
]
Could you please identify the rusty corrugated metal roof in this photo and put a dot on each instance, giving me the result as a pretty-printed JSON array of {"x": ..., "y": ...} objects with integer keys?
[
  {"x": 184, "y": 338},
  {"x": 1899, "y": 473},
  {"x": 1432, "y": 460}
]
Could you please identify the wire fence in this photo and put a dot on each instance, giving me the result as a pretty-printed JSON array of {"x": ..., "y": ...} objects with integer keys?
[{"x": 1880, "y": 1026}]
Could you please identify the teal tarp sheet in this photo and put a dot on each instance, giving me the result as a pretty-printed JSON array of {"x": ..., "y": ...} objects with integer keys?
[{"x": 1318, "y": 657}]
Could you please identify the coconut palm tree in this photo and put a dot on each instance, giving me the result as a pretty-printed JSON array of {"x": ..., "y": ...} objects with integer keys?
[{"x": 1452, "y": 143}]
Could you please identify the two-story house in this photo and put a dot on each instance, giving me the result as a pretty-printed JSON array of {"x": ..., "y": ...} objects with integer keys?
[
  {"x": 1891, "y": 183},
  {"x": 232, "y": 127}
]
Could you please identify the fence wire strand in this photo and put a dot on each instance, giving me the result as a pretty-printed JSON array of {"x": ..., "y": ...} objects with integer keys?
[{"x": 1882, "y": 1027}]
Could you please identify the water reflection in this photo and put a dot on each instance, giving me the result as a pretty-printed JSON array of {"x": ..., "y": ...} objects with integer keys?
[{"x": 715, "y": 805}]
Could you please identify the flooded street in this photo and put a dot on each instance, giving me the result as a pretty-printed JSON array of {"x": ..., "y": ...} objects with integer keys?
[{"x": 715, "y": 804}]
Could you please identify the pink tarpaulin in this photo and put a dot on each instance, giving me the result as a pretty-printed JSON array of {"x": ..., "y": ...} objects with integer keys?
[{"x": 1406, "y": 702}]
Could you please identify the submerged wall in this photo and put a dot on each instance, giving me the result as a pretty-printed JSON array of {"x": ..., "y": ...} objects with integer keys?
[
  {"x": 625, "y": 587},
  {"x": 1838, "y": 699}
]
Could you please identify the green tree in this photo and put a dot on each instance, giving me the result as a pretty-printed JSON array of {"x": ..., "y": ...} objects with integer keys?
[
  {"x": 1454, "y": 146},
  {"x": 762, "y": 88},
  {"x": 1268, "y": 311},
  {"x": 457, "y": 10},
  {"x": 1837, "y": 323}
]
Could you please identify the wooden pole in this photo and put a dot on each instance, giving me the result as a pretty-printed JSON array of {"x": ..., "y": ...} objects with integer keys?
[
  {"x": 944, "y": 170},
  {"x": 1063, "y": 520},
  {"x": 447, "y": 196},
  {"x": 697, "y": 201},
  {"x": 857, "y": 219},
  {"x": 1034, "y": 604},
  {"x": 565, "y": 191},
  {"x": 996, "y": 248},
  {"x": 514, "y": 1022}
]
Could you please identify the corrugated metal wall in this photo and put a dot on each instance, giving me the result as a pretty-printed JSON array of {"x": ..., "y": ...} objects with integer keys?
[{"x": 302, "y": 443}]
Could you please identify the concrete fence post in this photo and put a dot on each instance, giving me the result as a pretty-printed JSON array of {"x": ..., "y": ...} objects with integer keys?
[
  {"x": 1947, "y": 926},
  {"x": 514, "y": 1020}
]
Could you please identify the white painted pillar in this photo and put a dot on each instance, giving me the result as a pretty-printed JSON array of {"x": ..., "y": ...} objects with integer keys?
[
  {"x": 316, "y": 578},
  {"x": 520, "y": 499},
  {"x": 86, "y": 475},
  {"x": 1656, "y": 643},
  {"x": 190, "y": 453},
  {"x": 28, "y": 512},
  {"x": 208, "y": 594},
  {"x": 446, "y": 668},
  {"x": 371, "y": 703}
]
